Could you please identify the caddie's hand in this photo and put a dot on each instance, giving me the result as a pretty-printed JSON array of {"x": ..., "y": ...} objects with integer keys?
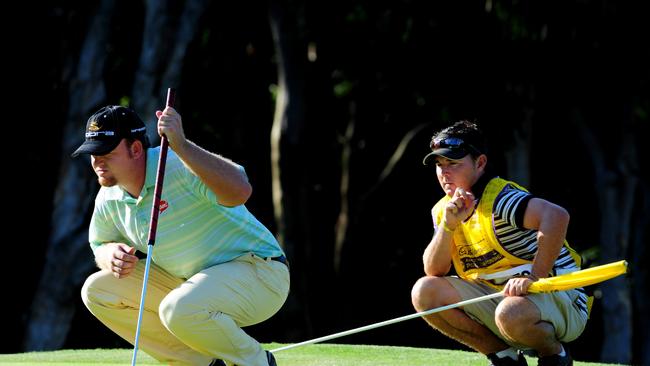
[
  {"x": 459, "y": 208},
  {"x": 170, "y": 124},
  {"x": 118, "y": 258},
  {"x": 517, "y": 286}
]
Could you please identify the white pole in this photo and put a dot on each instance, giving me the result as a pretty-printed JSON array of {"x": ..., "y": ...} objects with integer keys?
[
  {"x": 153, "y": 224},
  {"x": 142, "y": 295},
  {"x": 391, "y": 321}
]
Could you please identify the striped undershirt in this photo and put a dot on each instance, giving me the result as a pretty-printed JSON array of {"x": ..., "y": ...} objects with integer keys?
[{"x": 509, "y": 208}]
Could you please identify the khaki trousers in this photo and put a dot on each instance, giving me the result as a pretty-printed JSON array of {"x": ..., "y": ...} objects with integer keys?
[
  {"x": 558, "y": 308},
  {"x": 193, "y": 321}
]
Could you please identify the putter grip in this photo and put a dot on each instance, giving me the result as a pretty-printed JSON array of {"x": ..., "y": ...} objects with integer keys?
[
  {"x": 160, "y": 176},
  {"x": 164, "y": 144}
]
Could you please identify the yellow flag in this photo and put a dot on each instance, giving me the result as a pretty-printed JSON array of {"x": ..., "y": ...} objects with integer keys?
[{"x": 580, "y": 278}]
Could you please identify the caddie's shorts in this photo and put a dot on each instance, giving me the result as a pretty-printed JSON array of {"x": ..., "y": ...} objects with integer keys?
[{"x": 558, "y": 308}]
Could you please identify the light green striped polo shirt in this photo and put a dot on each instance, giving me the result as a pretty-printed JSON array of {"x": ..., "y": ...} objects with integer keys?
[{"x": 194, "y": 231}]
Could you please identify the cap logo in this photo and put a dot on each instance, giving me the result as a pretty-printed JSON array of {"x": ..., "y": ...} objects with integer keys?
[
  {"x": 99, "y": 133},
  {"x": 163, "y": 206},
  {"x": 94, "y": 126}
]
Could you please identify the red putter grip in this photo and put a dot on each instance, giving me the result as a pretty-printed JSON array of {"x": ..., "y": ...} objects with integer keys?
[
  {"x": 160, "y": 176},
  {"x": 171, "y": 97}
]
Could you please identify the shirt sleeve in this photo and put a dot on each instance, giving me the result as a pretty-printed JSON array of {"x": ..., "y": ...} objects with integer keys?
[
  {"x": 102, "y": 229},
  {"x": 200, "y": 188},
  {"x": 510, "y": 206}
]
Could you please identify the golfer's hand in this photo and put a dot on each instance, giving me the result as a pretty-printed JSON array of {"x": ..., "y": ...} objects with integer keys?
[
  {"x": 170, "y": 124},
  {"x": 459, "y": 208},
  {"x": 118, "y": 258},
  {"x": 517, "y": 286}
]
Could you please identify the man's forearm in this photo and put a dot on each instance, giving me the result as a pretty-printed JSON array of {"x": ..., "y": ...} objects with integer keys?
[
  {"x": 550, "y": 238},
  {"x": 437, "y": 255}
]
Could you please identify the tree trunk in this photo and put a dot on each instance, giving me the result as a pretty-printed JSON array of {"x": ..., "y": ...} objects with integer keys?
[
  {"x": 343, "y": 220},
  {"x": 161, "y": 54},
  {"x": 186, "y": 32},
  {"x": 352, "y": 208},
  {"x": 286, "y": 134},
  {"x": 304, "y": 170},
  {"x": 164, "y": 45},
  {"x": 615, "y": 194},
  {"x": 640, "y": 281},
  {"x": 69, "y": 258}
]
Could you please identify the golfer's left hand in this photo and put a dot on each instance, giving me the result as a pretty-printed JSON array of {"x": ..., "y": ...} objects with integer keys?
[
  {"x": 170, "y": 124},
  {"x": 517, "y": 286}
]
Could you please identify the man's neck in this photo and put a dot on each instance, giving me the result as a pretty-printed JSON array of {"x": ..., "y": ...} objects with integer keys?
[
  {"x": 479, "y": 185},
  {"x": 134, "y": 186}
]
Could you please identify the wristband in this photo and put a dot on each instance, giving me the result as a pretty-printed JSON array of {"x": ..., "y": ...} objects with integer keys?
[{"x": 444, "y": 226}]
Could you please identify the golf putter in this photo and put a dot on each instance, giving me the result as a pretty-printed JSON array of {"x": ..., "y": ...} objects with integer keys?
[{"x": 155, "y": 210}]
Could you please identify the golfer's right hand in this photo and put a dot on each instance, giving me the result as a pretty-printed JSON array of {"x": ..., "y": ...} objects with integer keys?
[
  {"x": 170, "y": 124},
  {"x": 459, "y": 208},
  {"x": 118, "y": 258}
]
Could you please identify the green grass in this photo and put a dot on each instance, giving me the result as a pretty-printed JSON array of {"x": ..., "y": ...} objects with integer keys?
[{"x": 316, "y": 355}]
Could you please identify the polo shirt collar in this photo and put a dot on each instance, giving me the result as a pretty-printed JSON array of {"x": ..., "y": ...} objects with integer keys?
[
  {"x": 481, "y": 183},
  {"x": 152, "y": 169}
]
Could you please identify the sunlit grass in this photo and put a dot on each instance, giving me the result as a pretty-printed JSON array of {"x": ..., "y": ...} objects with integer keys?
[{"x": 316, "y": 355}]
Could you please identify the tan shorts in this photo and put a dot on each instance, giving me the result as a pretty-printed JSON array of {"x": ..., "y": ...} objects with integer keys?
[{"x": 557, "y": 308}]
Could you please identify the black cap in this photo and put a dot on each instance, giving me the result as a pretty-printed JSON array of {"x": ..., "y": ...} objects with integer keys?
[
  {"x": 108, "y": 126},
  {"x": 456, "y": 142}
]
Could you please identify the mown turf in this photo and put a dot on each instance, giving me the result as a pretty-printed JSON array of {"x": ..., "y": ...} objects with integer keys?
[{"x": 312, "y": 355}]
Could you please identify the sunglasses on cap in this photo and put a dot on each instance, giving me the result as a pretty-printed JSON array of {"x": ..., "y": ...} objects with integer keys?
[{"x": 452, "y": 143}]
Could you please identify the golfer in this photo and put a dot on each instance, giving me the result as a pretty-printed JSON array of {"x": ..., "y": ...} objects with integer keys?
[
  {"x": 215, "y": 269},
  {"x": 498, "y": 237}
]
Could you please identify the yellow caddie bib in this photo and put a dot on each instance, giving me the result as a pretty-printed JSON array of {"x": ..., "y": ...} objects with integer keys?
[{"x": 478, "y": 252}]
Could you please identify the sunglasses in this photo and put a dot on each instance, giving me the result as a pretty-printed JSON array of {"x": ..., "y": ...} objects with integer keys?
[{"x": 452, "y": 143}]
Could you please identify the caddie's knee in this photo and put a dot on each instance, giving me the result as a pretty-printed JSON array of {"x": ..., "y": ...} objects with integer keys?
[
  {"x": 514, "y": 315},
  {"x": 430, "y": 292}
]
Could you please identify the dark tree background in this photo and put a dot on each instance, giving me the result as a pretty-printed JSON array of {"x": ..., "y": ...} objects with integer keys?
[{"x": 330, "y": 106}]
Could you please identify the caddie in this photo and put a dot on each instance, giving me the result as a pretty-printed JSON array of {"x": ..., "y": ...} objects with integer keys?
[{"x": 498, "y": 236}]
